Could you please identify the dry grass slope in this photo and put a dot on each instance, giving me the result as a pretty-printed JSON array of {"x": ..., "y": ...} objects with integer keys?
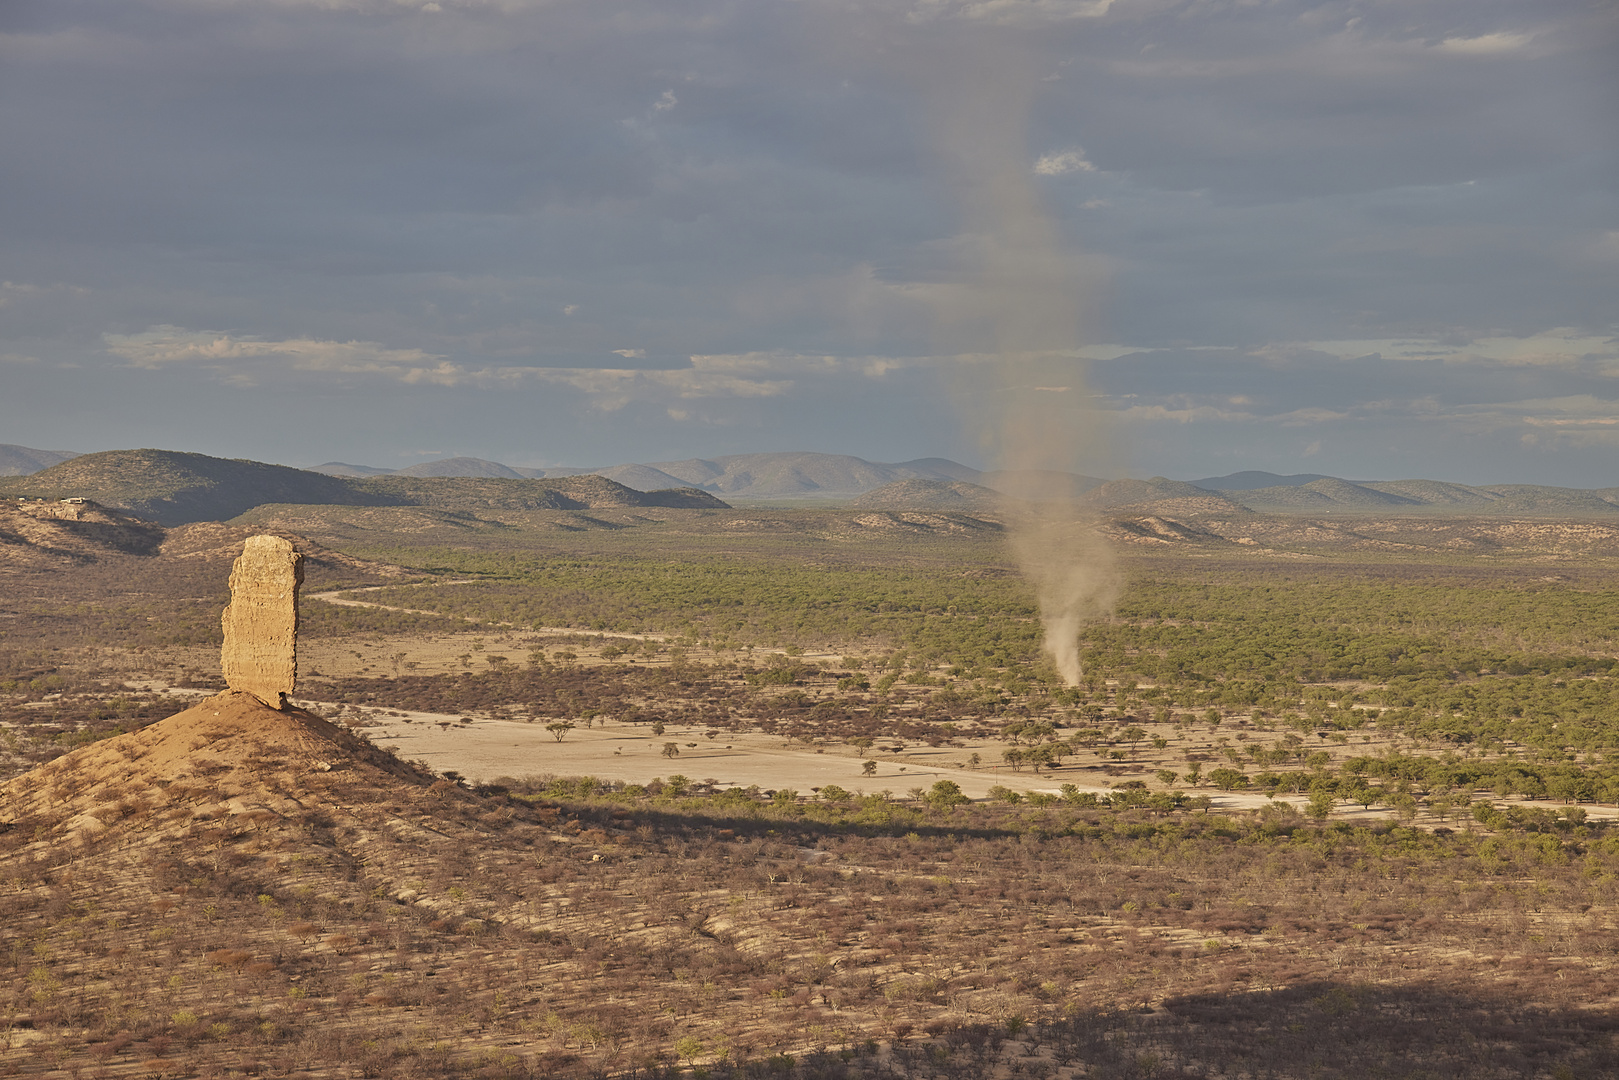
[{"x": 235, "y": 890}]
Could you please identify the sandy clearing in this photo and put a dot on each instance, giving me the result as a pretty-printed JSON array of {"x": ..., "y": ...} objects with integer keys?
[{"x": 486, "y": 749}]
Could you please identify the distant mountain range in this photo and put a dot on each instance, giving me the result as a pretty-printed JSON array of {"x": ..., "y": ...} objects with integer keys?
[
  {"x": 772, "y": 475},
  {"x": 1328, "y": 494},
  {"x": 170, "y": 487}
]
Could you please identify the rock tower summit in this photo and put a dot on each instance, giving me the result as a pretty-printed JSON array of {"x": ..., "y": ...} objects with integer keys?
[{"x": 261, "y": 623}]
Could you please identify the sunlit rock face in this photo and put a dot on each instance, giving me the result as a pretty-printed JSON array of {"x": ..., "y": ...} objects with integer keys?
[{"x": 261, "y": 623}]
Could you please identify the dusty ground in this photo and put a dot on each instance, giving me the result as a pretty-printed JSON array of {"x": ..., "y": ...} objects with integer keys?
[
  {"x": 485, "y": 749},
  {"x": 481, "y": 748}
]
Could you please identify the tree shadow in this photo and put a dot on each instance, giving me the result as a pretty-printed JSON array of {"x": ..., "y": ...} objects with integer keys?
[{"x": 1318, "y": 1030}]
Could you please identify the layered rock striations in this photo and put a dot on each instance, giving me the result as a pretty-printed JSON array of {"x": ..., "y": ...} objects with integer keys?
[{"x": 261, "y": 623}]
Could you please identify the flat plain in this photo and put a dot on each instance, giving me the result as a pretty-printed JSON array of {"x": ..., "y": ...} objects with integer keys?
[{"x": 792, "y": 792}]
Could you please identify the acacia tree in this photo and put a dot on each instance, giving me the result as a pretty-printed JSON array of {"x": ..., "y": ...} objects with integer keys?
[
  {"x": 1132, "y": 735},
  {"x": 559, "y": 728}
]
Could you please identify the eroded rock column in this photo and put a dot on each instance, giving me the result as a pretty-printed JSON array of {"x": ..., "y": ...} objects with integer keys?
[{"x": 261, "y": 623}]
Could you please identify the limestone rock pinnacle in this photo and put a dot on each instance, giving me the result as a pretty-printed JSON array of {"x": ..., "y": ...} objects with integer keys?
[{"x": 261, "y": 623}]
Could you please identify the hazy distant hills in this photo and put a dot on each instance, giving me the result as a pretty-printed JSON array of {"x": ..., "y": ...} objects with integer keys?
[
  {"x": 951, "y": 495},
  {"x": 174, "y": 488},
  {"x": 171, "y": 487},
  {"x": 1039, "y": 484},
  {"x": 1252, "y": 479},
  {"x": 1330, "y": 494},
  {"x": 1157, "y": 495},
  {"x": 20, "y": 460},
  {"x": 585, "y": 492},
  {"x": 787, "y": 474}
]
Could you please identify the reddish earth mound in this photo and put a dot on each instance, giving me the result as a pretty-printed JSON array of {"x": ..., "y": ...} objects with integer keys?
[{"x": 228, "y": 755}]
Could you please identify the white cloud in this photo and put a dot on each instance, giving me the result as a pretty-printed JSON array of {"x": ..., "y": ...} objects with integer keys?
[
  {"x": 1064, "y": 162},
  {"x": 242, "y": 359},
  {"x": 613, "y": 388},
  {"x": 1020, "y": 12},
  {"x": 1182, "y": 412},
  {"x": 1560, "y": 347},
  {"x": 1307, "y": 416},
  {"x": 14, "y": 291},
  {"x": 249, "y": 361},
  {"x": 11, "y": 291},
  {"x": 1574, "y": 420},
  {"x": 726, "y": 375},
  {"x": 1485, "y": 44}
]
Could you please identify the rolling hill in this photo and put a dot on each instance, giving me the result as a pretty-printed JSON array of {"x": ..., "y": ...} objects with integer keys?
[
  {"x": 1250, "y": 479},
  {"x": 462, "y": 467},
  {"x": 585, "y": 492},
  {"x": 955, "y": 495},
  {"x": 803, "y": 474},
  {"x": 22, "y": 460},
  {"x": 1162, "y": 494},
  {"x": 37, "y": 535},
  {"x": 785, "y": 474},
  {"x": 1332, "y": 495},
  {"x": 174, "y": 488}
]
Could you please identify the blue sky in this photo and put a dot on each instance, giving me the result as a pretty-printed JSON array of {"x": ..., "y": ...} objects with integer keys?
[{"x": 1373, "y": 238}]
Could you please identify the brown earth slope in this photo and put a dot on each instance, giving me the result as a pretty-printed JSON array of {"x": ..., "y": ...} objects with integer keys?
[
  {"x": 227, "y": 756},
  {"x": 239, "y": 891},
  {"x": 58, "y": 535}
]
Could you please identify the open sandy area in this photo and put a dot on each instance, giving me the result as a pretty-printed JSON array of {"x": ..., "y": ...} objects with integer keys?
[
  {"x": 482, "y": 749},
  {"x": 485, "y": 749}
]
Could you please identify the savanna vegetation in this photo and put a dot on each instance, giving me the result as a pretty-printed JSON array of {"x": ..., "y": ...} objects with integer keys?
[
  {"x": 1125, "y": 921},
  {"x": 583, "y": 929}
]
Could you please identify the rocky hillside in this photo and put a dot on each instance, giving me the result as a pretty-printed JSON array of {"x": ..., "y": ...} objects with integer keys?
[{"x": 41, "y": 535}]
